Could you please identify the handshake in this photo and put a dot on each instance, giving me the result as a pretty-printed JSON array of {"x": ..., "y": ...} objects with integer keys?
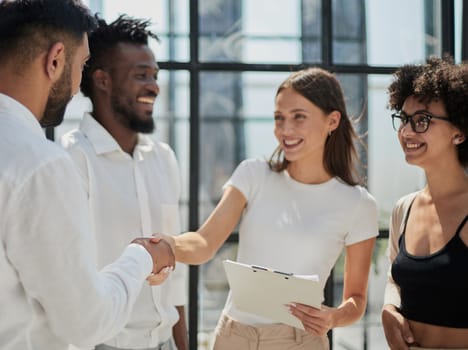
[{"x": 161, "y": 249}]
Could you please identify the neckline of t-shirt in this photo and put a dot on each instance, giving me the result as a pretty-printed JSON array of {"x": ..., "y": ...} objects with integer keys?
[{"x": 311, "y": 187}]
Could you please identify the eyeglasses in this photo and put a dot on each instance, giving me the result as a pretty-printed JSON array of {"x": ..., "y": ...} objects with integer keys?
[{"x": 419, "y": 121}]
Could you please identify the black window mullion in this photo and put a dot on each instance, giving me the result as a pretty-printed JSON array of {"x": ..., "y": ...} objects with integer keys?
[
  {"x": 448, "y": 26},
  {"x": 194, "y": 176},
  {"x": 327, "y": 34}
]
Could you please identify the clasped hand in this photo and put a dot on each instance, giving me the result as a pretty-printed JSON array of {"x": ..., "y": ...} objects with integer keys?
[{"x": 163, "y": 257}]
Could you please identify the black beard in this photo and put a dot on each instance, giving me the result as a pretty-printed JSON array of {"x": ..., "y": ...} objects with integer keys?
[
  {"x": 53, "y": 115},
  {"x": 59, "y": 97},
  {"x": 126, "y": 115},
  {"x": 142, "y": 126}
]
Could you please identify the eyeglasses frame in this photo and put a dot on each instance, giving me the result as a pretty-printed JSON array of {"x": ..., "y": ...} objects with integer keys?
[{"x": 409, "y": 118}]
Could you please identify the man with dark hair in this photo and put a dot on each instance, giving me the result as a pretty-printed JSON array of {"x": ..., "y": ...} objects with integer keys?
[
  {"x": 133, "y": 182},
  {"x": 51, "y": 292}
]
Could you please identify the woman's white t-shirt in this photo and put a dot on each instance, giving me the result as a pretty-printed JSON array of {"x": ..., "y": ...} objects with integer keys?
[{"x": 296, "y": 227}]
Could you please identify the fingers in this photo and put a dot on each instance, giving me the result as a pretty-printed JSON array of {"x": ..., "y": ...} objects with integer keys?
[
  {"x": 161, "y": 253},
  {"x": 155, "y": 239},
  {"x": 406, "y": 333},
  {"x": 396, "y": 329},
  {"x": 168, "y": 254},
  {"x": 314, "y": 329},
  {"x": 315, "y": 321},
  {"x": 303, "y": 312},
  {"x": 159, "y": 278}
]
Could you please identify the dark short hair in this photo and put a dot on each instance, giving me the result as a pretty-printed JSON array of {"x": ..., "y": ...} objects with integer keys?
[
  {"x": 106, "y": 37},
  {"x": 438, "y": 79},
  {"x": 29, "y": 27},
  {"x": 323, "y": 89}
]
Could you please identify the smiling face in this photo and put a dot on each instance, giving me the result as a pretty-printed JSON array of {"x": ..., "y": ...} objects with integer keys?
[
  {"x": 432, "y": 146},
  {"x": 301, "y": 127},
  {"x": 134, "y": 86}
]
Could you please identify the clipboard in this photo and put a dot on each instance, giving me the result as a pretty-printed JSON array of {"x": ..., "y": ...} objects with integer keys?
[{"x": 264, "y": 292}]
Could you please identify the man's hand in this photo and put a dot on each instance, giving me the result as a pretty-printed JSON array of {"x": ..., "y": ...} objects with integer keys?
[
  {"x": 157, "y": 279},
  {"x": 160, "y": 251},
  {"x": 396, "y": 328}
]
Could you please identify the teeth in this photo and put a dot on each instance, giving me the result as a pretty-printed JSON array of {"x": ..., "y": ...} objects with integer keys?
[
  {"x": 291, "y": 142},
  {"x": 412, "y": 145},
  {"x": 148, "y": 100}
]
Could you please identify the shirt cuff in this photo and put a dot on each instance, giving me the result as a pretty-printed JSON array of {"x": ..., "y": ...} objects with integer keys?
[{"x": 139, "y": 253}]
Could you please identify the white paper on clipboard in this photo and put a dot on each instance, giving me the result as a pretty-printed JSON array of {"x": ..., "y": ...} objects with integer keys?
[{"x": 264, "y": 292}]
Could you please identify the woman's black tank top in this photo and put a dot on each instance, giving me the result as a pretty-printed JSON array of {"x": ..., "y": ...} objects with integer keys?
[{"x": 434, "y": 288}]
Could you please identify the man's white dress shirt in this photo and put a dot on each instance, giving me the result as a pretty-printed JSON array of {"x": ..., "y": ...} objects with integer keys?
[
  {"x": 51, "y": 293},
  {"x": 132, "y": 195}
]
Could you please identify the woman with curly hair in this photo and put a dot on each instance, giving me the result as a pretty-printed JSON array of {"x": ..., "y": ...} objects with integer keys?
[{"x": 426, "y": 299}]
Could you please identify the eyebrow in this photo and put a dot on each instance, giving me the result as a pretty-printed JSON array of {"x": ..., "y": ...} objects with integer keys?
[
  {"x": 418, "y": 111},
  {"x": 146, "y": 66},
  {"x": 293, "y": 110}
]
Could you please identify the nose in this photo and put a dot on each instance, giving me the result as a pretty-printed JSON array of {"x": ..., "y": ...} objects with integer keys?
[
  {"x": 407, "y": 129},
  {"x": 287, "y": 127},
  {"x": 153, "y": 86}
]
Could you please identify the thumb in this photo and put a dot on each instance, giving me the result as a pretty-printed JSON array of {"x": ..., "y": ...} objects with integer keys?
[
  {"x": 155, "y": 239},
  {"x": 407, "y": 334}
]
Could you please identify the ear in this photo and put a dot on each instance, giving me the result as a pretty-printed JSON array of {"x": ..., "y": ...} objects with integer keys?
[
  {"x": 334, "y": 120},
  {"x": 55, "y": 61},
  {"x": 458, "y": 138},
  {"x": 101, "y": 80}
]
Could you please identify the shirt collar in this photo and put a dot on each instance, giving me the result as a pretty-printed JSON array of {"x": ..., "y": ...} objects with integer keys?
[
  {"x": 103, "y": 142},
  {"x": 11, "y": 106}
]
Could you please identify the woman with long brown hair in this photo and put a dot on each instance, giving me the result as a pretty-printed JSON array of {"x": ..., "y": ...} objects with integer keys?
[{"x": 297, "y": 213}]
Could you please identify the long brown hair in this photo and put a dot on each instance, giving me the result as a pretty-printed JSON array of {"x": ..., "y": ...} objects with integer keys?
[{"x": 323, "y": 89}]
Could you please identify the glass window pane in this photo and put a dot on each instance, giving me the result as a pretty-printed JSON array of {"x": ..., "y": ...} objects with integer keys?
[
  {"x": 171, "y": 113},
  {"x": 169, "y": 18},
  {"x": 312, "y": 30},
  {"x": 392, "y": 36},
  {"x": 348, "y": 31},
  {"x": 256, "y": 32}
]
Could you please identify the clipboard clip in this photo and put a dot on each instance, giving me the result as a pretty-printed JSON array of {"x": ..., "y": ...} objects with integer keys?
[
  {"x": 255, "y": 267},
  {"x": 283, "y": 273}
]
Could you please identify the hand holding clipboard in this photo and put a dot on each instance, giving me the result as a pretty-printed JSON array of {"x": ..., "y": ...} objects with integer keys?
[{"x": 265, "y": 292}]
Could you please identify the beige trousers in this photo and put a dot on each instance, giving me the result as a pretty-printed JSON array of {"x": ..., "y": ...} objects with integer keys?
[{"x": 232, "y": 335}]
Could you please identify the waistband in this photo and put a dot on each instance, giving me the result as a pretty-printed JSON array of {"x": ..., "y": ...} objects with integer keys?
[{"x": 167, "y": 345}]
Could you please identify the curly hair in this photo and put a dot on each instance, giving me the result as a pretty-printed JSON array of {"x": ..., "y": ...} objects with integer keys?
[
  {"x": 438, "y": 79},
  {"x": 323, "y": 89},
  {"x": 30, "y": 27},
  {"x": 106, "y": 37}
]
